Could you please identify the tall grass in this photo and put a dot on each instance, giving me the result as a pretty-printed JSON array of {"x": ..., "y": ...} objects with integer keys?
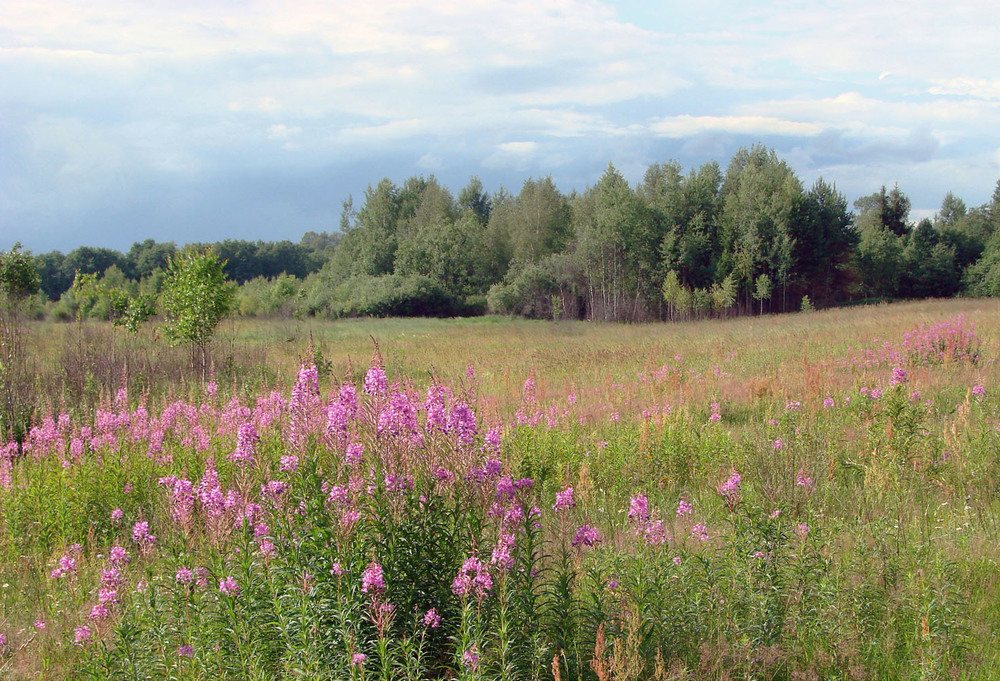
[{"x": 795, "y": 498}]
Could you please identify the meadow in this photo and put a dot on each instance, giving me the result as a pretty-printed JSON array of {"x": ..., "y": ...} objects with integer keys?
[{"x": 807, "y": 496}]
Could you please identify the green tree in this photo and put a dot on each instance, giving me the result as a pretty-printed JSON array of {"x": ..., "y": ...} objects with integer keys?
[
  {"x": 195, "y": 297},
  {"x": 18, "y": 280}
]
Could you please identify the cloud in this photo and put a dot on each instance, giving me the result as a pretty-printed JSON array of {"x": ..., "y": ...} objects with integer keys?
[{"x": 114, "y": 99}]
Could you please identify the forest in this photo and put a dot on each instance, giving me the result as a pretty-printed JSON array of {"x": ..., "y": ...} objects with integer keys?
[{"x": 751, "y": 239}]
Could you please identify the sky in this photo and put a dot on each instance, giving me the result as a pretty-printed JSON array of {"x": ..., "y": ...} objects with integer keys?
[{"x": 202, "y": 120}]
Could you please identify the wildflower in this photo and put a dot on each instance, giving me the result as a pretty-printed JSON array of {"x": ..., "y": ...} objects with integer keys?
[
  {"x": 586, "y": 535},
  {"x": 828, "y": 403},
  {"x": 470, "y": 658},
  {"x": 354, "y": 454},
  {"x": 730, "y": 489},
  {"x": 376, "y": 383},
  {"x": 229, "y": 587},
  {"x": 677, "y": 560},
  {"x": 359, "y": 659},
  {"x": 337, "y": 570},
  {"x": 289, "y": 464},
  {"x": 684, "y": 508},
  {"x": 802, "y": 530},
  {"x": 699, "y": 531},
  {"x": 472, "y": 578},
  {"x": 185, "y": 651},
  {"x": 638, "y": 509},
  {"x": 117, "y": 515},
  {"x": 118, "y": 555},
  {"x": 141, "y": 535},
  {"x": 564, "y": 499},
  {"x": 40, "y": 624},
  {"x": 978, "y": 390},
  {"x": 432, "y": 620},
  {"x": 804, "y": 481},
  {"x": 81, "y": 635},
  {"x": 899, "y": 376},
  {"x": 246, "y": 444},
  {"x": 267, "y": 549},
  {"x": 184, "y": 575},
  {"x": 98, "y": 612},
  {"x": 778, "y": 444},
  {"x": 372, "y": 580}
]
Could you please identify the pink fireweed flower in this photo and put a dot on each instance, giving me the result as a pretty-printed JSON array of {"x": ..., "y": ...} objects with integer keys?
[
  {"x": 586, "y": 535},
  {"x": 82, "y": 635},
  {"x": 359, "y": 659},
  {"x": 289, "y": 464},
  {"x": 778, "y": 444},
  {"x": 229, "y": 587},
  {"x": 185, "y": 651},
  {"x": 638, "y": 510},
  {"x": 372, "y": 580},
  {"x": 337, "y": 570},
  {"x": 730, "y": 490},
  {"x": 246, "y": 444},
  {"x": 899, "y": 376},
  {"x": 432, "y": 620},
  {"x": 828, "y": 403},
  {"x": 141, "y": 534},
  {"x": 699, "y": 532},
  {"x": 802, "y": 530},
  {"x": 184, "y": 575},
  {"x": 117, "y": 555},
  {"x": 978, "y": 390},
  {"x": 564, "y": 500},
  {"x": 684, "y": 508},
  {"x": 502, "y": 552},
  {"x": 99, "y": 612},
  {"x": 117, "y": 515},
  {"x": 470, "y": 658},
  {"x": 472, "y": 579},
  {"x": 376, "y": 383},
  {"x": 804, "y": 481},
  {"x": 267, "y": 549},
  {"x": 354, "y": 454}
]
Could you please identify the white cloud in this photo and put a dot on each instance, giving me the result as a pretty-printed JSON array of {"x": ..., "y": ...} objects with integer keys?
[{"x": 687, "y": 126}]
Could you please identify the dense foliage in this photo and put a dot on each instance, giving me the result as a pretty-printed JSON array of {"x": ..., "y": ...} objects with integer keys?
[{"x": 749, "y": 239}]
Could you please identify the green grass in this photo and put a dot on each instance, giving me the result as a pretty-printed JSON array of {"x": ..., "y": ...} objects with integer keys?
[{"x": 883, "y": 567}]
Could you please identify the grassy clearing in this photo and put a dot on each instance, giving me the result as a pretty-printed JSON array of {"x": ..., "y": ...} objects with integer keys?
[{"x": 808, "y": 496}]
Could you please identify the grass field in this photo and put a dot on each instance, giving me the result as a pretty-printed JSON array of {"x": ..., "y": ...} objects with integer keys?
[{"x": 809, "y": 496}]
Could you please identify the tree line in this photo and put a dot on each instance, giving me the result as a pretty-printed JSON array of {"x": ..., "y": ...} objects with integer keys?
[{"x": 749, "y": 239}]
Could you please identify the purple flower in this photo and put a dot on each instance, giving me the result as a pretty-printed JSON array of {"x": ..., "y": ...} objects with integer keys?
[
  {"x": 372, "y": 580},
  {"x": 564, "y": 500},
  {"x": 684, "y": 508},
  {"x": 359, "y": 659},
  {"x": 81, "y": 635},
  {"x": 185, "y": 651},
  {"x": 638, "y": 509},
  {"x": 375, "y": 381},
  {"x": 472, "y": 579},
  {"x": 730, "y": 489},
  {"x": 432, "y": 620},
  {"x": 470, "y": 658},
  {"x": 804, "y": 481},
  {"x": 978, "y": 390},
  {"x": 586, "y": 535},
  {"x": 828, "y": 403},
  {"x": 184, "y": 575},
  {"x": 117, "y": 515},
  {"x": 229, "y": 586},
  {"x": 99, "y": 612},
  {"x": 899, "y": 376},
  {"x": 289, "y": 464}
]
